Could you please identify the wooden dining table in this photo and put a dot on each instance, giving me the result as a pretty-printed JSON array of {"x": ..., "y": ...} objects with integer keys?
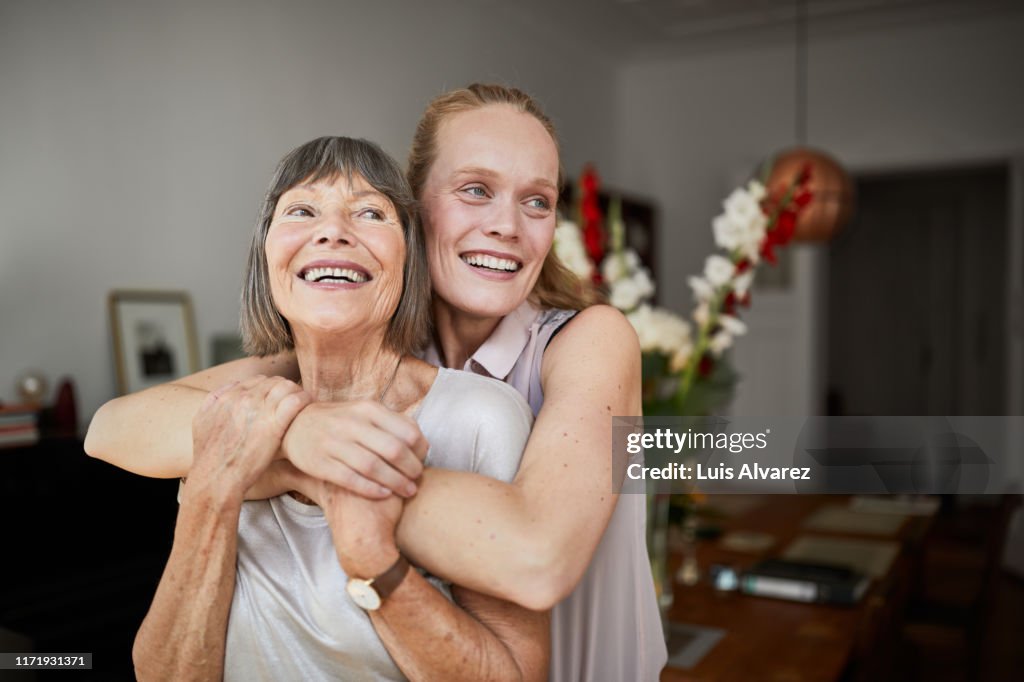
[{"x": 785, "y": 641}]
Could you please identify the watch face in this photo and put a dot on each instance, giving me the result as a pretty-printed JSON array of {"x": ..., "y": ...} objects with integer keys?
[{"x": 363, "y": 594}]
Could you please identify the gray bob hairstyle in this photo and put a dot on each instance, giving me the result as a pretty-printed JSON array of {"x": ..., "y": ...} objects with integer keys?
[{"x": 264, "y": 330}]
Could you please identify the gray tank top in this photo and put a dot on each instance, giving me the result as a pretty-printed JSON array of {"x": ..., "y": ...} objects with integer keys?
[{"x": 291, "y": 618}]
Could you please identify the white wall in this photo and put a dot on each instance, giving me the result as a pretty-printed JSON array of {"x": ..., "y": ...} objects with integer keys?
[
  {"x": 136, "y": 140},
  {"x": 906, "y": 96}
]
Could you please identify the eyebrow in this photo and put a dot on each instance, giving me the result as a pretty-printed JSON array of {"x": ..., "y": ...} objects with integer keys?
[{"x": 486, "y": 172}]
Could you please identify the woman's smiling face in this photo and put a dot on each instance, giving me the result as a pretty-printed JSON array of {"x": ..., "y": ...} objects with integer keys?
[
  {"x": 488, "y": 209},
  {"x": 335, "y": 253}
]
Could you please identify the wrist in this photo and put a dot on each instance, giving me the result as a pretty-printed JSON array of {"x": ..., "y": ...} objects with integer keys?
[
  {"x": 214, "y": 496},
  {"x": 288, "y": 439},
  {"x": 211, "y": 477},
  {"x": 368, "y": 562}
]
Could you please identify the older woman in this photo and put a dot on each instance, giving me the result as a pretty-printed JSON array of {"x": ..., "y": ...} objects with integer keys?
[
  {"x": 485, "y": 168},
  {"x": 336, "y": 271}
]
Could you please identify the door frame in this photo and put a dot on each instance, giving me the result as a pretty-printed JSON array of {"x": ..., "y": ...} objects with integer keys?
[{"x": 1014, "y": 313}]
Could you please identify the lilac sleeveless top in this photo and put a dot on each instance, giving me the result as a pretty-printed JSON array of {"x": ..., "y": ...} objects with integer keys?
[{"x": 609, "y": 627}]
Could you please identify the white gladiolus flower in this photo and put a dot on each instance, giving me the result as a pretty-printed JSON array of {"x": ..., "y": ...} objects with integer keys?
[
  {"x": 733, "y": 325},
  {"x": 719, "y": 343},
  {"x": 629, "y": 281},
  {"x": 742, "y": 227},
  {"x": 742, "y": 207},
  {"x": 702, "y": 289},
  {"x": 701, "y": 314},
  {"x": 743, "y": 237},
  {"x": 625, "y": 294},
  {"x": 756, "y": 190},
  {"x": 718, "y": 270},
  {"x": 570, "y": 250},
  {"x": 661, "y": 331},
  {"x": 642, "y": 279},
  {"x": 613, "y": 268},
  {"x": 641, "y": 319},
  {"x": 679, "y": 359},
  {"x": 741, "y": 285},
  {"x": 728, "y": 234},
  {"x": 618, "y": 265}
]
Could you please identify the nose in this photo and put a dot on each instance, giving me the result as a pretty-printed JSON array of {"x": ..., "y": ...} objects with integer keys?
[
  {"x": 334, "y": 228},
  {"x": 504, "y": 221}
]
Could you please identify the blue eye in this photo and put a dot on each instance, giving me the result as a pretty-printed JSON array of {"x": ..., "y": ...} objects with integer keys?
[
  {"x": 539, "y": 202},
  {"x": 476, "y": 191},
  {"x": 300, "y": 211}
]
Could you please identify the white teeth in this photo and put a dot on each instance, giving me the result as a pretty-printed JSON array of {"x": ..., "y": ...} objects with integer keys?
[
  {"x": 344, "y": 274},
  {"x": 491, "y": 263}
]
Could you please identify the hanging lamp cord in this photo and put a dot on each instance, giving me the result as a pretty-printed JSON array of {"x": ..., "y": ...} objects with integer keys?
[{"x": 801, "y": 72}]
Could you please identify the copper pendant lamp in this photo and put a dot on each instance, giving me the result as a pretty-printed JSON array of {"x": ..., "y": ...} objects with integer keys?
[{"x": 830, "y": 184}]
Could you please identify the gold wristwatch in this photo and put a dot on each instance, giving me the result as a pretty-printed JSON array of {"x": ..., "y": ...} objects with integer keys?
[{"x": 370, "y": 594}]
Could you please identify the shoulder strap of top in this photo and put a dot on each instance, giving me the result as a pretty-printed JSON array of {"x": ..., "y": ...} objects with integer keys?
[{"x": 551, "y": 322}]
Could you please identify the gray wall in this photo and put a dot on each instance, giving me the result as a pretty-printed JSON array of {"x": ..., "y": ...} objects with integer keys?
[
  {"x": 136, "y": 140},
  {"x": 907, "y": 96}
]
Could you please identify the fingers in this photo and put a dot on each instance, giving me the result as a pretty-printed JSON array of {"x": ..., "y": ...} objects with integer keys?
[
  {"x": 289, "y": 407},
  {"x": 402, "y": 427},
  {"x": 343, "y": 476},
  {"x": 268, "y": 392},
  {"x": 278, "y": 400},
  {"x": 287, "y": 399},
  {"x": 216, "y": 394},
  {"x": 361, "y": 446},
  {"x": 360, "y": 464},
  {"x": 393, "y": 454},
  {"x": 231, "y": 390}
]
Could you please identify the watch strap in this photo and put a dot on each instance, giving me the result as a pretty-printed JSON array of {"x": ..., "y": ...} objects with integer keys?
[{"x": 388, "y": 581}]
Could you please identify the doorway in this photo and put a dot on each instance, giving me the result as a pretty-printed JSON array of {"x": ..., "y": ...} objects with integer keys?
[{"x": 917, "y": 295}]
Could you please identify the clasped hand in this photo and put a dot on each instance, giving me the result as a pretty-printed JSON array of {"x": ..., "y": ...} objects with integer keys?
[{"x": 265, "y": 436}]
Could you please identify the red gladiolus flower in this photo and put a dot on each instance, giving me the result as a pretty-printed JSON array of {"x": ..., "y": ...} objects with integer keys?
[
  {"x": 785, "y": 226},
  {"x": 590, "y": 214},
  {"x": 707, "y": 363},
  {"x": 729, "y": 304},
  {"x": 742, "y": 266}
]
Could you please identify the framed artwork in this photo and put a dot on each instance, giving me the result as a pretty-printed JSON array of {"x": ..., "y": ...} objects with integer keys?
[
  {"x": 154, "y": 337},
  {"x": 225, "y": 348}
]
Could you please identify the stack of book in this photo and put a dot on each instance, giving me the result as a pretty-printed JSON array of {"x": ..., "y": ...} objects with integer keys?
[
  {"x": 18, "y": 425},
  {"x": 806, "y": 582}
]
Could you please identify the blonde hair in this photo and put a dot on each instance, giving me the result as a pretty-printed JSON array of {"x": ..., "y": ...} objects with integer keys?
[{"x": 557, "y": 286}]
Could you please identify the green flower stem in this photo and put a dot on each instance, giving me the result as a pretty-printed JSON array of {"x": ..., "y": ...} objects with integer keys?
[
  {"x": 718, "y": 300},
  {"x": 703, "y": 339}
]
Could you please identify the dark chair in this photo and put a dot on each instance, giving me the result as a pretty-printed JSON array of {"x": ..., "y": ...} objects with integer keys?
[{"x": 952, "y": 595}]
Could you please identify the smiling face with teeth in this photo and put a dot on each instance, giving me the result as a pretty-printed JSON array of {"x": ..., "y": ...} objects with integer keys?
[
  {"x": 335, "y": 253},
  {"x": 488, "y": 209}
]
